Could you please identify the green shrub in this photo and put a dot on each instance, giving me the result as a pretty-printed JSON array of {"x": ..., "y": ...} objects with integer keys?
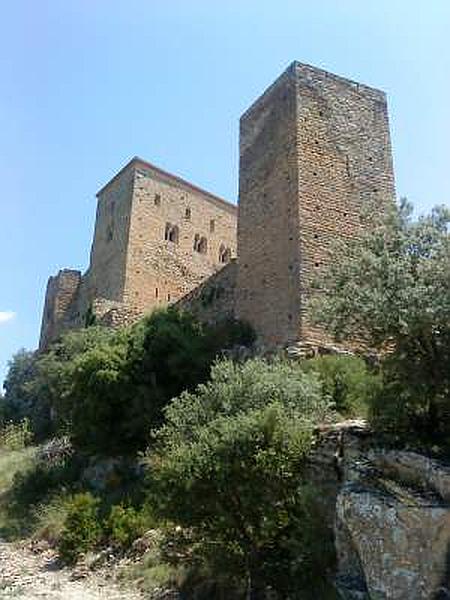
[
  {"x": 229, "y": 465},
  {"x": 391, "y": 288},
  {"x": 37, "y": 385},
  {"x": 125, "y": 525},
  {"x": 82, "y": 528},
  {"x": 108, "y": 389},
  {"x": 119, "y": 389},
  {"x": 347, "y": 380},
  {"x": 16, "y": 436},
  {"x": 23, "y": 395},
  {"x": 11, "y": 464}
]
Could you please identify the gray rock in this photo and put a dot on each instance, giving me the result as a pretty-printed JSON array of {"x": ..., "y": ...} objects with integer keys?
[{"x": 393, "y": 529}]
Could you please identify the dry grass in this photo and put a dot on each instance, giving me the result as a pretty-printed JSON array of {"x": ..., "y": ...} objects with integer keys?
[{"x": 12, "y": 462}]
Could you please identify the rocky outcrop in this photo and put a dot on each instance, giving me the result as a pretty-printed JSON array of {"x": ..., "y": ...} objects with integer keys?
[{"x": 393, "y": 528}]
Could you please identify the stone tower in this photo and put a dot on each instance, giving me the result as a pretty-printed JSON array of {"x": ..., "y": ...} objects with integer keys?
[{"x": 315, "y": 154}]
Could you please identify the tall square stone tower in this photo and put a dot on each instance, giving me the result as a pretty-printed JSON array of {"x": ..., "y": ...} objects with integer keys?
[{"x": 315, "y": 155}]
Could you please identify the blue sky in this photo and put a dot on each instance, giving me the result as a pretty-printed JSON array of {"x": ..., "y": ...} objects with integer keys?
[{"x": 87, "y": 84}]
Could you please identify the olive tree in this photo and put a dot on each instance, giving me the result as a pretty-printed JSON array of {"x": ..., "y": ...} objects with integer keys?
[
  {"x": 229, "y": 464},
  {"x": 392, "y": 287}
]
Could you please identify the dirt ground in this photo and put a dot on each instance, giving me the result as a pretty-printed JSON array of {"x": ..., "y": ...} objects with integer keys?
[{"x": 26, "y": 574}]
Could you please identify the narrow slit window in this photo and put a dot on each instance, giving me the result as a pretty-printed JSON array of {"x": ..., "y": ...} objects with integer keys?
[
  {"x": 224, "y": 254},
  {"x": 171, "y": 233}
]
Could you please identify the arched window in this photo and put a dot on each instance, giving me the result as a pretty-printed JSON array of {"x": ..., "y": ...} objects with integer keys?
[
  {"x": 196, "y": 241},
  {"x": 187, "y": 214},
  {"x": 171, "y": 233},
  {"x": 200, "y": 244},
  {"x": 224, "y": 254}
]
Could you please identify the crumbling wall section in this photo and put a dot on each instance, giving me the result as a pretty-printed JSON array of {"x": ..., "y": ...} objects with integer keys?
[
  {"x": 60, "y": 297},
  {"x": 214, "y": 300}
]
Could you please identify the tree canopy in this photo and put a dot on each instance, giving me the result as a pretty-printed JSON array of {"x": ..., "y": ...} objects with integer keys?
[{"x": 392, "y": 288}]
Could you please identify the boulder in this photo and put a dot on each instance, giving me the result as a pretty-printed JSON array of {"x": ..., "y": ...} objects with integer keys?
[{"x": 392, "y": 528}]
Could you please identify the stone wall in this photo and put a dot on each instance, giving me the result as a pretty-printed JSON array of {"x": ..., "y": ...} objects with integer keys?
[
  {"x": 315, "y": 162},
  {"x": 107, "y": 271},
  {"x": 315, "y": 156},
  {"x": 201, "y": 232},
  {"x": 62, "y": 290},
  {"x": 268, "y": 228},
  {"x": 157, "y": 237},
  {"x": 114, "y": 314},
  {"x": 345, "y": 169},
  {"x": 213, "y": 300}
]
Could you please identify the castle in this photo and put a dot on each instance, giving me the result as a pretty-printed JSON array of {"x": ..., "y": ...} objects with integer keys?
[{"x": 315, "y": 154}]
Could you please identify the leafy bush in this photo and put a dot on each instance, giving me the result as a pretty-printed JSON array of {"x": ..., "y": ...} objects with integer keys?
[
  {"x": 82, "y": 528},
  {"x": 125, "y": 525},
  {"x": 120, "y": 388},
  {"x": 22, "y": 398},
  {"x": 348, "y": 381},
  {"x": 37, "y": 385},
  {"x": 35, "y": 487},
  {"x": 391, "y": 287},
  {"x": 229, "y": 463},
  {"x": 98, "y": 405},
  {"x": 16, "y": 436},
  {"x": 108, "y": 389}
]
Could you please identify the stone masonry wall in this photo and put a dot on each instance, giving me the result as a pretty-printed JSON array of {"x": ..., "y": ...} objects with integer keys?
[
  {"x": 214, "y": 300},
  {"x": 133, "y": 267},
  {"x": 160, "y": 271},
  {"x": 268, "y": 228},
  {"x": 107, "y": 271},
  {"x": 61, "y": 292},
  {"x": 345, "y": 170},
  {"x": 315, "y": 156},
  {"x": 315, "y": 162}
]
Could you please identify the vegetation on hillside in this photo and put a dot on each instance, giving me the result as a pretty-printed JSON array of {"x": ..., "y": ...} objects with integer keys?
[
  {"x": 393, "y": 288},
  {"x": 224, "y": 484},
  {"x": 229, "y": 466},
  {"x": 108, "y": 388}
]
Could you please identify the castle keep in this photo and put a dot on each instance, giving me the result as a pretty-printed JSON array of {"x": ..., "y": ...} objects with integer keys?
[{"x": 315, "y": 155}]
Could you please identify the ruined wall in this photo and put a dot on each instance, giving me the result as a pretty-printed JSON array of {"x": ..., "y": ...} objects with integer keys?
[
  {"x": 214, "y": 300},
  {"x": 314, "y": 156},
  {"x": 61, "y": 293},
  {"x": 160, "y": 271}
]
